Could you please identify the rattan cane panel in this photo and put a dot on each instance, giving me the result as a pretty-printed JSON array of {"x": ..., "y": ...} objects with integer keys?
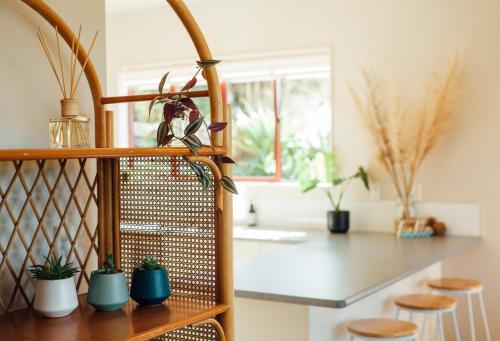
[
  {"x": 166, "y": 213},
  {"x": 199, "y": 333},
  {"x": 46, "y": 208}
]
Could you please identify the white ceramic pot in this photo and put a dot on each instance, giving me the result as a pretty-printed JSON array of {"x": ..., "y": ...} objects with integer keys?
[{"x": 55, "y": 298}]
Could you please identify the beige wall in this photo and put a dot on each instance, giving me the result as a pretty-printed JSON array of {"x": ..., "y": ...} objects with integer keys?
[
  {"x": 406, "y": 40},
  {"x": 28, "y": 91}
]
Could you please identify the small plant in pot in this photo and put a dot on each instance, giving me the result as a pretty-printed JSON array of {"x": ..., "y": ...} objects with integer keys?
[
  {"x": 108, "y": 289},
  {"x": 337, "y": 219},
  {"x": 150, "y": 285},
  {"x": 55, "y": 291}
]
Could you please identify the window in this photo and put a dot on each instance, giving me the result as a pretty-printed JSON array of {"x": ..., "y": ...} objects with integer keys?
[
  {"x": 281, "y": 113},
  {"x": 277, "y": 122}
]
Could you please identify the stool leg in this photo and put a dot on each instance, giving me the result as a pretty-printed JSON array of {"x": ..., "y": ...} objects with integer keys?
[
  {"x": 471, "y": 318},
  {"x": 352, "y": 337},
  {"x": 455, "y": 325},
  {"x": 422, "y": 331},
  {"x": 411, "y": 317},
  {"x": 440, "y": 326},
  {"x": 397, "y": 313},
  {"x": 483, "y": 315}
]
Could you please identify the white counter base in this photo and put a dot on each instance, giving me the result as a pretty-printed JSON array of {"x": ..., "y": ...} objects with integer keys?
[{"x": 276, "y": 321}]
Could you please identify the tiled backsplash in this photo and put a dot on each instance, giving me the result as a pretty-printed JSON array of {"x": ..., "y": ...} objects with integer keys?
[{"x": 283, "y": 206}]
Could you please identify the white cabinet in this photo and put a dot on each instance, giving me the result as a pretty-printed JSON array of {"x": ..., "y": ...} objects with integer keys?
[
  {"x": 243, "y": 249},
  {"x": 262, "y": 320}
]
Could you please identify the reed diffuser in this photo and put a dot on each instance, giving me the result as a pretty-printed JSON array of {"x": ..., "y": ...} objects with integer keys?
[{"x": 70, "y": 129}]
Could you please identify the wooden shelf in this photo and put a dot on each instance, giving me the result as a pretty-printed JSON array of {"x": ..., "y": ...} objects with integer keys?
[
  {"x": 102, "y": 153},
  {"x": 130, "y": 323},
  {"x": 150, "y": 97}
]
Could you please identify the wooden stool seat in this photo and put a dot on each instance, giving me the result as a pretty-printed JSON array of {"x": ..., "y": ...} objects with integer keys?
[
  {"x": 382, "y": 328},
  {"x": 426, "y": 302},
  {"x": 467, "y": 287},
  {"x": 455, "y": 284}
]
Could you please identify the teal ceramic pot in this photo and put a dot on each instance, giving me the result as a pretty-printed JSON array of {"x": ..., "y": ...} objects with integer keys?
[
  {"x": 150, "y": 287},
  {"x": 107, "y": 292}
]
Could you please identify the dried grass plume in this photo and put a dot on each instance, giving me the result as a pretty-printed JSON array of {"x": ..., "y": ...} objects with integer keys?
[{"x": 404, "y": 138}]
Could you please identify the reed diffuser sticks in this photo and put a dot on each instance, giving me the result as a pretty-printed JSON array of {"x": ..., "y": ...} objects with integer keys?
[
  {"x": 74, "y": 78},
  {"x": 70, "y": 129}
]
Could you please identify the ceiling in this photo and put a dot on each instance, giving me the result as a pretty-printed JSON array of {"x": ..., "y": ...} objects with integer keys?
[{"x": 132, "y": 5}]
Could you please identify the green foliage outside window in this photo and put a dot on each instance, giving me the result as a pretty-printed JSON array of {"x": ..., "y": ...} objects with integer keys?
[{"x": 304, "y": 108}]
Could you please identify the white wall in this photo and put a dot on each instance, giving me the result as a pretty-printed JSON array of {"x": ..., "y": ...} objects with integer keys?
[
  {"x": 404, "y": 39},
  {"x": 28, "y": 91}
]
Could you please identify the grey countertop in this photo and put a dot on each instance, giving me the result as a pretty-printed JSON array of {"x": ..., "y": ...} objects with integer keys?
[{"x": 338, "y": 270}]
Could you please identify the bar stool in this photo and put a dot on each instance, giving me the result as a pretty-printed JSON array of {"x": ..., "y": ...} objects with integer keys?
[
  {"x": 429, "y": 304},
  {"x": 467, "y": 287},
  {"x": 382, "y": 329}
]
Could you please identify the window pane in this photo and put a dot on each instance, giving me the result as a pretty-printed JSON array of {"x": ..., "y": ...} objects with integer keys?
[
  {"x": 305, "y": 121},
  {"x": 143, "y": 127},
  {"x": 253, "y": 128}
]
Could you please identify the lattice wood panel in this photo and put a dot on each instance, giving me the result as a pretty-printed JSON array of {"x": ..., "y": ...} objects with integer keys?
[
  {"x": 199, "y": 333},
  {"x": 166, "y": 213},
  {"x": 46, "y": 208}
]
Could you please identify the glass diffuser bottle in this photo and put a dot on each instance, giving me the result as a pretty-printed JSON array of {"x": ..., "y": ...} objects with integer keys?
[{"x": 70, "y": 130}]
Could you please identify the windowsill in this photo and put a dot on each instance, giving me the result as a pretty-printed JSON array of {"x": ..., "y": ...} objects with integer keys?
[{"x": 276, "y": 184}]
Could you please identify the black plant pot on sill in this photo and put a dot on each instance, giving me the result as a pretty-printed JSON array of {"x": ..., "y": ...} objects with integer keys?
[{"x": 338, "y": 221}]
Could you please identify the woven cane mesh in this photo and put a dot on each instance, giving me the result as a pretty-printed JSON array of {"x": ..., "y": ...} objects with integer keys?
[
  {"x": 166, "y": 213},
  {"x": 46, "y": 208},
  {"x": 199, "y": 333}
]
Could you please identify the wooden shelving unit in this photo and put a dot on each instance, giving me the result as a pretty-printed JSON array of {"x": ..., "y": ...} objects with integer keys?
[
  {"x": 130, "y": 323},
  {"x": 128, "y": 201}
]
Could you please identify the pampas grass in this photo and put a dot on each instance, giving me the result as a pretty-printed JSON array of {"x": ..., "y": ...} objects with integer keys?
[{"x": 404, "y": 138}]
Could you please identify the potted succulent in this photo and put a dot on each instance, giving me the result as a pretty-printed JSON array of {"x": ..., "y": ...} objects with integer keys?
[
  {"x": 337, "y": 219},
  {"x": 150, "y": 284},
  {"x": 55, "y": 291},
  {"x": 108, "y": 289}
]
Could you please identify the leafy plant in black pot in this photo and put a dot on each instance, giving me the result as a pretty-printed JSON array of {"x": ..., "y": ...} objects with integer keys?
[
  {"x": 150, "y": 285},
  {"x": 108, "y": 289},
  {"x": 337, "y": 219}
]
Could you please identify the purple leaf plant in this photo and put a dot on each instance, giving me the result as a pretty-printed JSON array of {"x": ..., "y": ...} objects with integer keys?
[{"x": 181, "y": 106}]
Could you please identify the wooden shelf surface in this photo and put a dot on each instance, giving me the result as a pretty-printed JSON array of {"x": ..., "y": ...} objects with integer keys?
[
  {"x": 102, "y": 153},
  {"x": 132, "y": 322},
  {"x": 150, "y": 97}
]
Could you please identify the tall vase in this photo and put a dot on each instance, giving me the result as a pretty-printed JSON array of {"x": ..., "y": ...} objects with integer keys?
[
  {"x": 405, "y": 213},
  {"x": 405, "y": 209}
]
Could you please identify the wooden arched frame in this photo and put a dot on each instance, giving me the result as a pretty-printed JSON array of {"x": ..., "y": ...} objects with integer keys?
[
  {"x": 108, "y": 168},
  {"x": 197, "y": 38}
]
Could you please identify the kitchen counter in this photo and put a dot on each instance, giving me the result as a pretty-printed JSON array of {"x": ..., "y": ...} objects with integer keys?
[{"x": 337, "y": 270}]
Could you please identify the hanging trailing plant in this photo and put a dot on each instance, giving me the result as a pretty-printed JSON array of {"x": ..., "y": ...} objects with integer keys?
[{"x": 181, "y": 106}]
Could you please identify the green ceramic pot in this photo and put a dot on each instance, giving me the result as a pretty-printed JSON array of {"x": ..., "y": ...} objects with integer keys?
[
  {"x": 107, "y": 292},
  {"x": 150, "y": 287}
]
